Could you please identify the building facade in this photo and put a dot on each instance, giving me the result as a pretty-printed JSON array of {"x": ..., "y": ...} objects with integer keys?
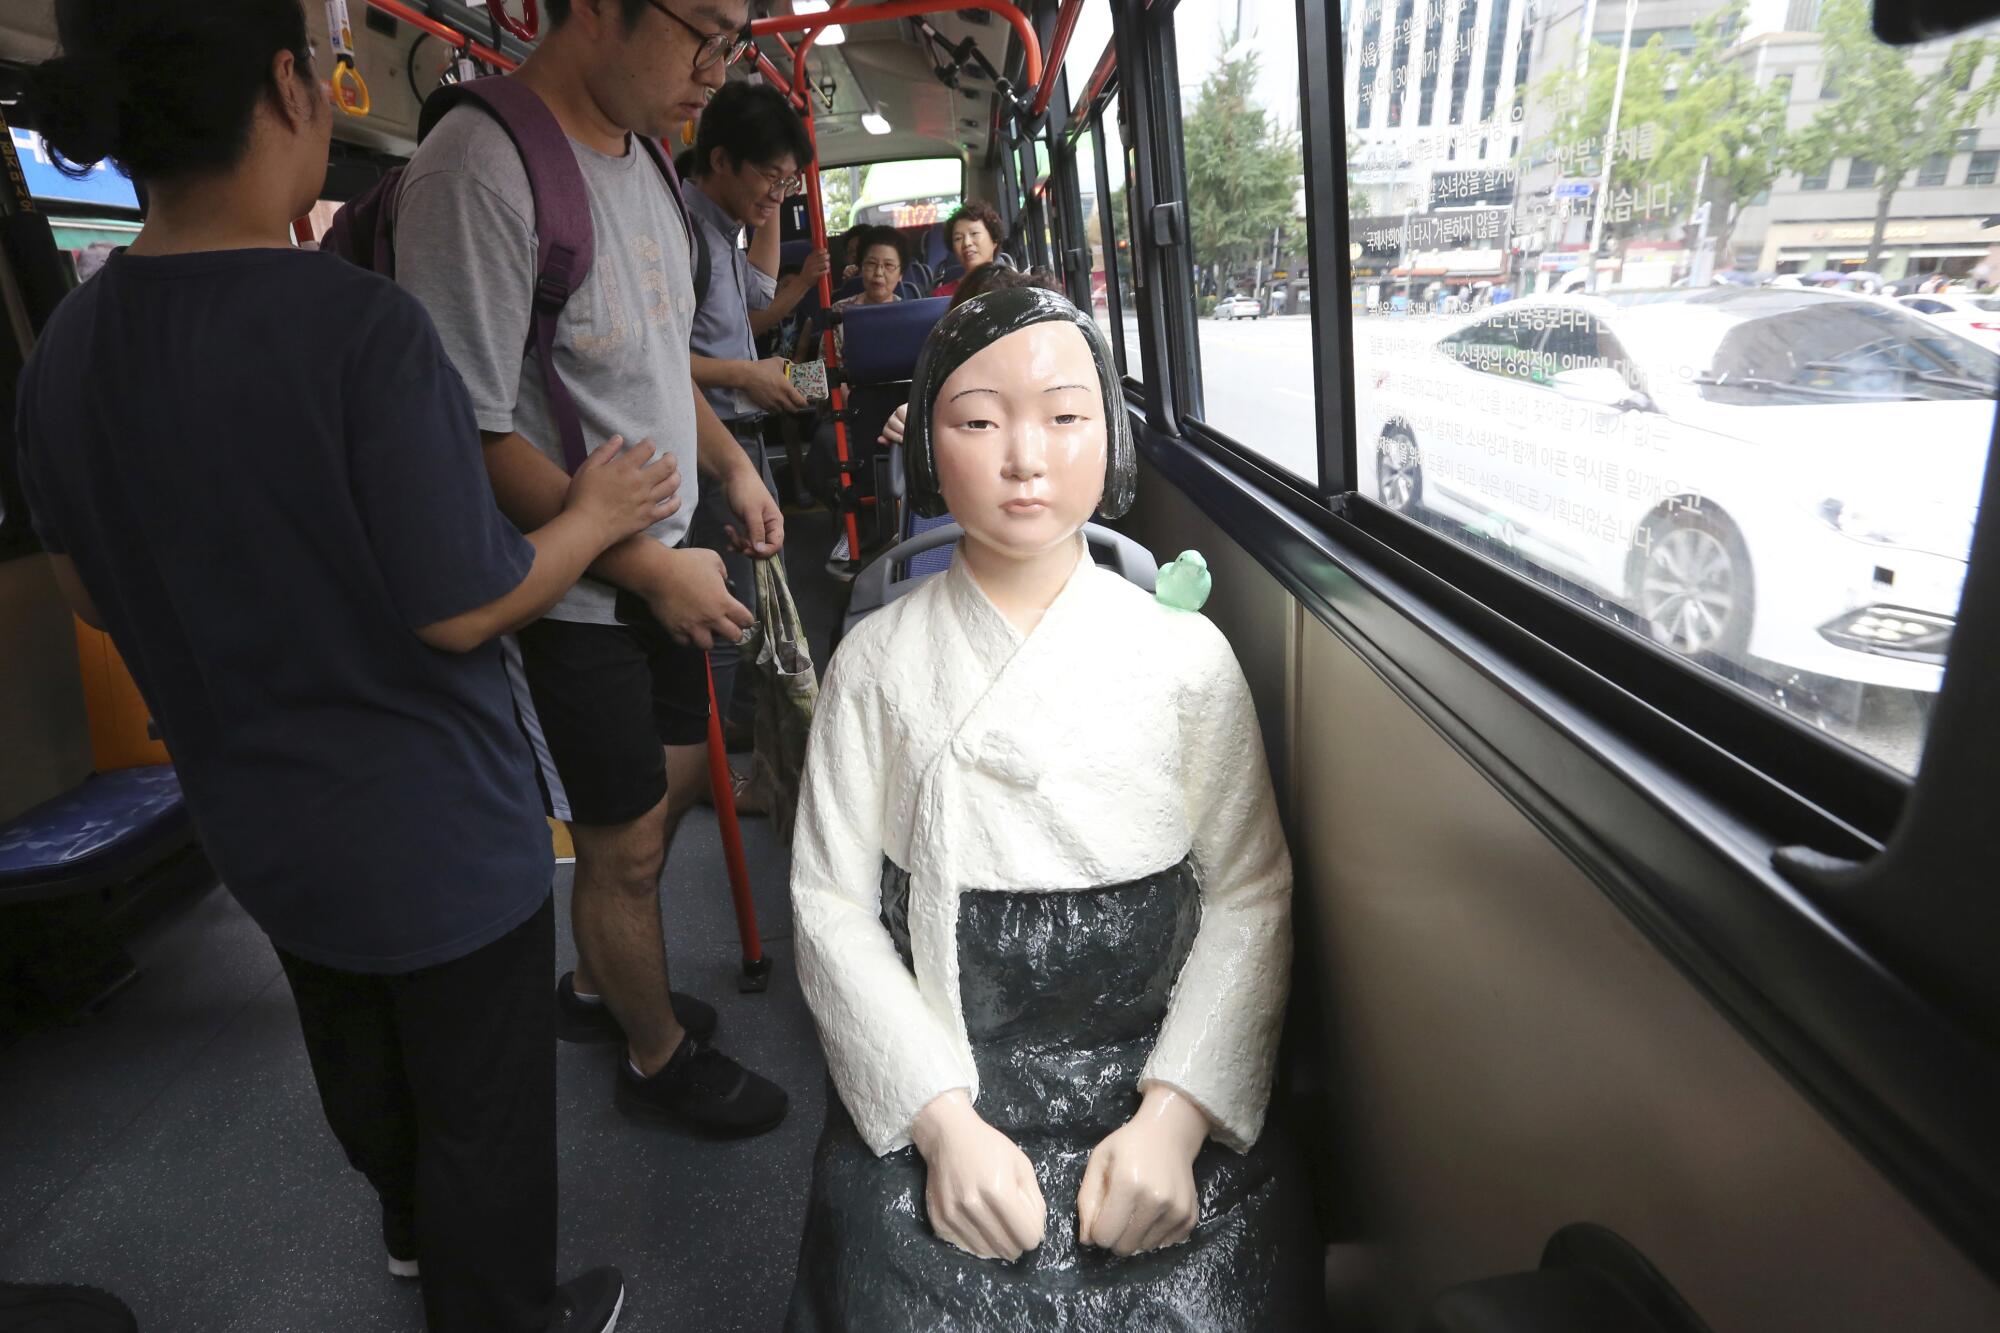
[{"x": 1449, "y": 103}]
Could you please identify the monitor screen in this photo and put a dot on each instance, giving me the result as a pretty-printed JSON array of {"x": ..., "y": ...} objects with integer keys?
[{"x": 104, "y": 187}]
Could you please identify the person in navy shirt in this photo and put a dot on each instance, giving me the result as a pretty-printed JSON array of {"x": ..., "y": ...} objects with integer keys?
[{"x": 255, "y": 467}]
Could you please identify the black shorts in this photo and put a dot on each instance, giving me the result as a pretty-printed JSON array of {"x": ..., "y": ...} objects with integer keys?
[{"x": 598, "y": 702}]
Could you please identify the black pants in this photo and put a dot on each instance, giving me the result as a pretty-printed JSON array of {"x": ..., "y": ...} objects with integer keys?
[{"x": 441, "y": 1086}]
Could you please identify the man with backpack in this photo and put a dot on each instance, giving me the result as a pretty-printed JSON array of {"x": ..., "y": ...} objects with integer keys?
[
  {"x": 749, "y": 151},
  {"x": 611, "y": 685}
]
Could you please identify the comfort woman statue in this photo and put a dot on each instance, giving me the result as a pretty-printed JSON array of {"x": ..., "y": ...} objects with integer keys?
[{"x": 1042, "y": 903}]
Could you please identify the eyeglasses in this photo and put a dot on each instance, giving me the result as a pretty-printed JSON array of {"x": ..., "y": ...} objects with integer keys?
[
  {"x": 779, "y": 187},
  {"x": 881, "y": 266},
  {"x": 725, "y": 48}
]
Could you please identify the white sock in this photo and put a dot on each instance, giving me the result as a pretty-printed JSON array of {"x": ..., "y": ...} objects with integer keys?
[
  {"x": 586, "y": 996},
  {"x": 634, "y": 1068}
]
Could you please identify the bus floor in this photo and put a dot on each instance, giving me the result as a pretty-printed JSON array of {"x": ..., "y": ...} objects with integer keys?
[{"x": 171, "y": 1148}]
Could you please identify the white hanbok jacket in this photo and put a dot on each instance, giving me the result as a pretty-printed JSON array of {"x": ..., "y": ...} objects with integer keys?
[{"x": 1111, "y": 742}]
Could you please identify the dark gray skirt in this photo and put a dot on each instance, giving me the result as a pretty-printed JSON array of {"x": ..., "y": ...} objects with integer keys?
[{"x": 1063, "y": 995}]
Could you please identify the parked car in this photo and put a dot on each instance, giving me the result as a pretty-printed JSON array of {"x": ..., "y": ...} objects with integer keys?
[
  {"x": 1977, "y": 317},
  {"x": 1778, "y": 474},
  {"x": 1239, "y": 307}
]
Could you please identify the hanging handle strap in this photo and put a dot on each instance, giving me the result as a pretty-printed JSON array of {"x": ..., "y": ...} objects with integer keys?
[{"x": 350, "y": 90}]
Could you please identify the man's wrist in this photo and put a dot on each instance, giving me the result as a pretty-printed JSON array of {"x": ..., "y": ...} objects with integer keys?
[{"x": 741, "y": 469}]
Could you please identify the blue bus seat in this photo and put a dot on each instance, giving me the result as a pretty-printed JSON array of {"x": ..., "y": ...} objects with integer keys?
[
  {"x": 96, "y": 835},
  {"x": 936, "y": 559},
  {"x": 898, "y": 571},
  {"x": 937, "y": 246},
  {"x": 880, "y": 343}
]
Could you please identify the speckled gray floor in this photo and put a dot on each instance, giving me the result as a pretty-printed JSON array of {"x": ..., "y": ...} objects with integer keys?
[{"x": 172, "y": 1150}]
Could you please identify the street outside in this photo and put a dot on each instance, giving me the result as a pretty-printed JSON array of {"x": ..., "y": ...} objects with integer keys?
[{"x": 1258, "y": 389}]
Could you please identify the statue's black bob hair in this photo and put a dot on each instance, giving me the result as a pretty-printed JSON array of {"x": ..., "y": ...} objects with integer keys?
[{"x": 972, "y": 327}]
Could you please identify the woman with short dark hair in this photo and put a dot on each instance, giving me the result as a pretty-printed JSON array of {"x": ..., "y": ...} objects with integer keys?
[
  {"x": 974, "y": 234},
  {"x": 256, "y": 468}
]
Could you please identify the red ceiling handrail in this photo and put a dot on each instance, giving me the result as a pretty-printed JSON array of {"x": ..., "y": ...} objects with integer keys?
[
  {"x": 848, "y": 12},
  {"x": 443, "y": 32},
  {"x": 1107, "y": 65},
  {"x": 1058, "y": 48}
]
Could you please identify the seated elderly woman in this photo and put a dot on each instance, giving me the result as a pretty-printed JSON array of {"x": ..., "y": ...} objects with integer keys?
[{"x": 881, "y": 266}]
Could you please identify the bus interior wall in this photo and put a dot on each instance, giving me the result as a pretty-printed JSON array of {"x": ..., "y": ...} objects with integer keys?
[{"x": 1501, "y": 1052}]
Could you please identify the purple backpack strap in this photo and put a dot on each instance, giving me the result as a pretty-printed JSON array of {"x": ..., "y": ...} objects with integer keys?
[
  {"x": 665, "y": 162},
  {"x": 564, "y": 239}
]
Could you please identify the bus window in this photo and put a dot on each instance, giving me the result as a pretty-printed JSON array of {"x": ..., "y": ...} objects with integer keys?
[
  {"x": 839, "y": 187},
  {"x": 1608, "y": 331},
  {"x": 1247, "y": 225},
  {"x": 914, "y": 193}
]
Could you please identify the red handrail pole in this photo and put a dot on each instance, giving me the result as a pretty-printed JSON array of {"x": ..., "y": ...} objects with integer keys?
[
  {"x": 302, "y": 230},
  {"x": 402, "y": 13},
  {"x": 732, "y": 832},
  {"x": 1058, "y": 48},
  {"x": 837, "y": 398},
  {"x": 777, "y": 79}
]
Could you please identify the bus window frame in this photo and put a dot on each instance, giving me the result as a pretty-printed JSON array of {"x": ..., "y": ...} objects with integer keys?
[
  {"x": 1329, "y": 387},
  {"x": 1715, "y": 787},
  {"x": 1090, "y": 120},
  {"x": 1149, "y": 97}
]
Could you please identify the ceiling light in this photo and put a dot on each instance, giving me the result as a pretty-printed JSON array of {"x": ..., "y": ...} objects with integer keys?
[
  {"x": 832, "y": 36},
  {"x": 875, "y": 123}
]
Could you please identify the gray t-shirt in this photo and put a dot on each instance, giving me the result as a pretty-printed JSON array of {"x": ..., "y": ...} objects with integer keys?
[
  {"x": 735, "y": 288},
  {"x": 465, "y": 245}
]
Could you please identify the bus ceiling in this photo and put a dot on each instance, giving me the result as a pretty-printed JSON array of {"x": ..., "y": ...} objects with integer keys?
[
  {"x": 879, "y": 74},
  {"x": 927, "y": 119}
]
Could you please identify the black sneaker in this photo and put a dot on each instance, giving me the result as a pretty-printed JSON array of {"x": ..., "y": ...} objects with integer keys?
[
  {"x": 589, "y": 1304},
  {"x": 399, "y": 1238},
  {"x": 579, "y": 1020},
  {"x": 702, "y": 1090}
]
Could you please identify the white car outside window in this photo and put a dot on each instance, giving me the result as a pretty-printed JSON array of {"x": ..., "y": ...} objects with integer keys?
[{"x": 1759, "y": 475}]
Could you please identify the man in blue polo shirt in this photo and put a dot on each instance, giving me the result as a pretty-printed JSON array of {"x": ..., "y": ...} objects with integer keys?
[{"x": 748, "y": 152}]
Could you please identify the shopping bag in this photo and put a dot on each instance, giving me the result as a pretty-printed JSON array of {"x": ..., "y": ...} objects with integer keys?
[{"x": 787, "y": 689}]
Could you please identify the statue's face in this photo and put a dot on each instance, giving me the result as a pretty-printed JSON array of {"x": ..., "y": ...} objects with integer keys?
[{"x": 1020, "y": 435}]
